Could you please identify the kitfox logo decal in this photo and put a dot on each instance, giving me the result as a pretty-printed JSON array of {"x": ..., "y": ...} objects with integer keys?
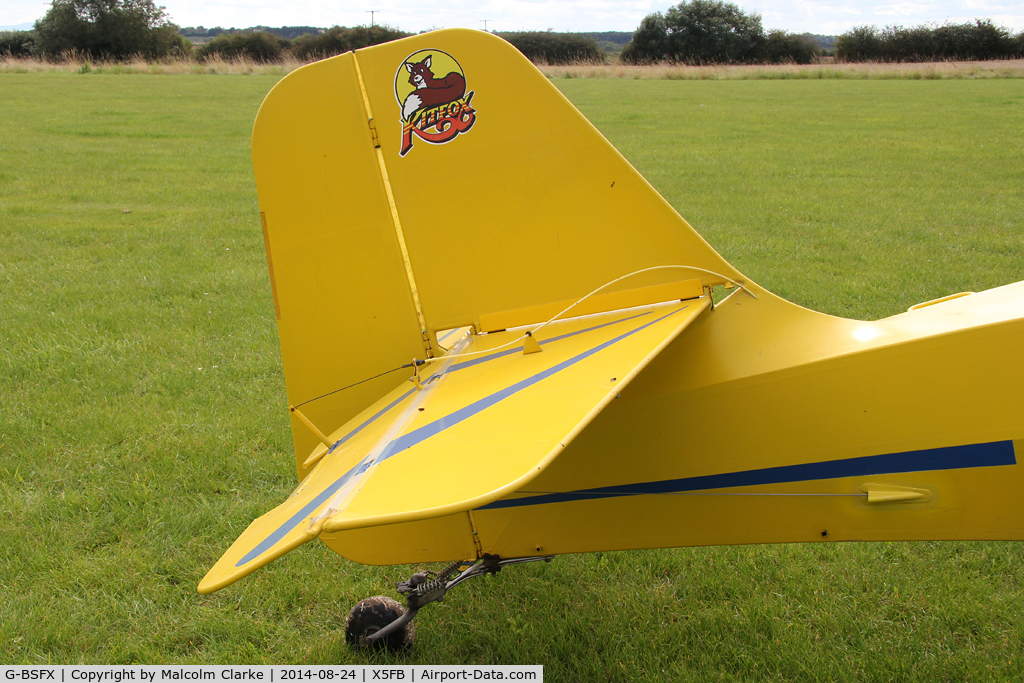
[{"x": 435, "y": 109}]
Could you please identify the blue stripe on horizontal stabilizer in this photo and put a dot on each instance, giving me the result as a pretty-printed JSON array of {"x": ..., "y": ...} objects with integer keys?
[
  {"x": 470, "y": 363},
  {"x": 368, "y": 421},
  {"x": 519, "y": 349},
  {"x": 308, "y": 509},
  {"x": 448, "y": 334},
  {"x": 426, "y": 431},
  {"x": 992, "y": 454}
]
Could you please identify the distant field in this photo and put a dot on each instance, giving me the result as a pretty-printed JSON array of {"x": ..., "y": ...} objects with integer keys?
[
  {"x": 144, "y": 421},
  {"x": 829, "y": 69}
]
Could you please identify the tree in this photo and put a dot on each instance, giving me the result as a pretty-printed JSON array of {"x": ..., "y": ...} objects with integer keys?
[
  {"x": 108, "y": 29},
  {"x": 649, "y": 43},
  {"x": 698, "y": 32}
]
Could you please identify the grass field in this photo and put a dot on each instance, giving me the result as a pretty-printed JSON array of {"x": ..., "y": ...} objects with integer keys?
[{"x": 143, "y": 421}]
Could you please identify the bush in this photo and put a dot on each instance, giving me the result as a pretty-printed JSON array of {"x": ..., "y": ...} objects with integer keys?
[
  {"x": 908, "y": 44},
  {"x": 549, "y": 47},
  {"x": 288, "y": 32},
  {"x": 108, "y": 29},
  {"x": 859, "y": 44},
  {"x": 257, "y": 46},
  {"x": 17, "y": 43},
  {"x": 980, "y": 40},
  {"x": 339, "y": 39},
  {"x": 782, "y": 47}
]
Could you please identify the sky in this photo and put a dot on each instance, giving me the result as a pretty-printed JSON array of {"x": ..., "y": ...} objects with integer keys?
[{"x": 828, "y": 17}]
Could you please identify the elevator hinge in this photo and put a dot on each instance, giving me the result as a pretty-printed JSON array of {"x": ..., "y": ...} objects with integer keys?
[{"x": 373, "y": 135}]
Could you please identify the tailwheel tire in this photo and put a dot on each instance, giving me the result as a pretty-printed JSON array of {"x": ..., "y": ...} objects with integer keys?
[{"x": 373, "y": 614}]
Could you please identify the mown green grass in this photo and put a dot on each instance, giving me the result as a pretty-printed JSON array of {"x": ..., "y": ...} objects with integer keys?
[
  {"x": 143, "y": 420},
  {"x": 857, "y": 199}
]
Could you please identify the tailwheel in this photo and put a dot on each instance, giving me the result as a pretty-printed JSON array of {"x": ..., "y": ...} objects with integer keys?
[
  {"x": 381, "y": 622},
  {"x": 370, "y": 616}
]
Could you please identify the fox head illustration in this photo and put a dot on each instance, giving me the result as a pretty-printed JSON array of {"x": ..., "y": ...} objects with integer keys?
[
  {"x": 430, "y": 91},
  {"x": 420, "y": 73}
]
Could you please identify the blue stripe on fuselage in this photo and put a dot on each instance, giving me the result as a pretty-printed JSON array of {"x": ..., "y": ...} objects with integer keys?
[{"x": 993, "y": 454}]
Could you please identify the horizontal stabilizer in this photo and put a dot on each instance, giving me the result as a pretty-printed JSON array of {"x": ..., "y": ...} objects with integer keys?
[
  {"x": 255, "y": 548},
  {"x": 486, "y": 420}
]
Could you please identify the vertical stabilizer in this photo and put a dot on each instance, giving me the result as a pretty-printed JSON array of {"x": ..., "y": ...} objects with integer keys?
[{"x": 432, "y": 183}]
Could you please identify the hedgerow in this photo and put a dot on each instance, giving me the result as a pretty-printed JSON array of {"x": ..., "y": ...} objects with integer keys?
[
  {"x": 554, "y": 48},
  {"x": 17, "y": 43},
  {"x": 977, "y": 40},
  {"x": 258, "y": 46},
  {"x": 335, "y": 41}
]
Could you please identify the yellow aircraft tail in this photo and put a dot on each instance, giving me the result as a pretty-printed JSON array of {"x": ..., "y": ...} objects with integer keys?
[{"x": 416, "y": 190}]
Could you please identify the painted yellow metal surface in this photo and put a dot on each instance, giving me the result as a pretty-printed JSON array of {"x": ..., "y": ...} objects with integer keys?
[
  {"x": 337, "y": 263},
  {"x": 766, "y": 423},
  {"x": 746, "y": 430},
  {"x": 485, "y": 422},
  {"x": 531, "y": 202},
  {"x": 420, "y": 192},
  {"x": 529, "y": 194}
]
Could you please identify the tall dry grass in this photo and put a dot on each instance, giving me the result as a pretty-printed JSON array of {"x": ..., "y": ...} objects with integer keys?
[
  {"x": 215, "y": 65},
  {"x": 1004, "y": 68}
]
